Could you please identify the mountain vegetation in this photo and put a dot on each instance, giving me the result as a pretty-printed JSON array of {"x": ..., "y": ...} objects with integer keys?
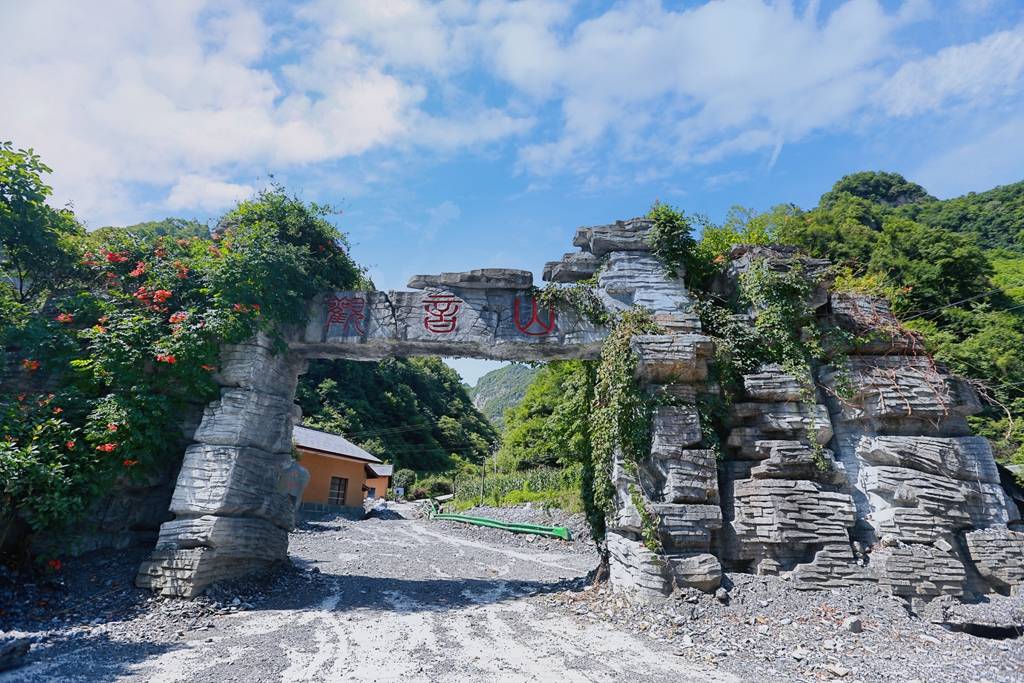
[
  {"x": 501, "y": 389},
  {"x": 414, "y": 413},
  {"x": 952, "y": 270}
]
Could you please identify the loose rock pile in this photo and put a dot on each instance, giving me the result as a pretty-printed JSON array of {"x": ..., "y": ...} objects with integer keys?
[{"x": 765, "y": 629}]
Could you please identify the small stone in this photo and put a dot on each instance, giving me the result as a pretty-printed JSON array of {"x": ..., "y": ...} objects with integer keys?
[
  {"x": 837, "y": 670},
  {"x": 852, "y": 624},
  {"x": 799, "y": 654},
  {"x": 722, "y": 596}
]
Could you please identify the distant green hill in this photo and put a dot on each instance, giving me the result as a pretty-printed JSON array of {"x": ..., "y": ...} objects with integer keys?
[
  {"x": 994, "y": 217},
  {"x": 501, "y": 389}
]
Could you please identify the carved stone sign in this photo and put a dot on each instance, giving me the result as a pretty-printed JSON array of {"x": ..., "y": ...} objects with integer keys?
[{"x": 478, "y": 321}]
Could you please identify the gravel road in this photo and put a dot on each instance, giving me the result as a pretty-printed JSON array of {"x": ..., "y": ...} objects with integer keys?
[{"x": 383, "y": 599}]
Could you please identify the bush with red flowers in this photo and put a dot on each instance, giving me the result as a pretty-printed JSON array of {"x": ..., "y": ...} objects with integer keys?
[{"x": 132, "y": 338}]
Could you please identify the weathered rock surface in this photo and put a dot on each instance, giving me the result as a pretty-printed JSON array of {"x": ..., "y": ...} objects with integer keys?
[
  {"x": 572, "y": 267},
  {"x": 872, "y": 327},
  {"x": 998, "y": 555},
  {"x": 773, "y": 384},
  {"x": 628, "y": 235},
  {"x": 636, "y": 278},
  {"x": 235, "y": 497},
  {"x": 919, "y": 483},
  {"x": 667, "y": 359},
  {"x": 483, "y": 278},
  {"x": 896, "y": 388}
]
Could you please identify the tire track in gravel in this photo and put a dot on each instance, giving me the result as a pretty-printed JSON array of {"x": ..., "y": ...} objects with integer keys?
[{"x": 404, "y": 600}]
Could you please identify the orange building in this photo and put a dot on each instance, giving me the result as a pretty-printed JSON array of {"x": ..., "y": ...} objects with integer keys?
[{"x": 341, "y": 474}]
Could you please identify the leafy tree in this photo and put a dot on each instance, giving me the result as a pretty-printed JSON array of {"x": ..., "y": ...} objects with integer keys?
[
  {"x": 171, "y": 228},
  {"x": 128, "y": 334},
  {"x": 544, "y": 429},
  {"x": 38, "y": 244},
  {"x": 938, "y": 266},
  {"x": 845, "y": 231}
]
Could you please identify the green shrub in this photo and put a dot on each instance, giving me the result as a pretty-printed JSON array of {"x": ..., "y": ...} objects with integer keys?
[
  {"x": 403, "y": 479},
  {"x": 131, "y": 335}
]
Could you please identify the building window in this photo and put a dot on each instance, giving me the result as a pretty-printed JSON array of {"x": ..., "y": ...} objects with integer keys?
[
  {"x": 372, "y": 493},
  {"x": 336, "y": 496}
]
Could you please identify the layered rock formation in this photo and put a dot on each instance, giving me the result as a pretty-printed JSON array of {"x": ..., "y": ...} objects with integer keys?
[
  {"x": 677, "y": 483},
  {"x": 884, "y": 485},
  {"x": 922, "y": 485},
  {"x": 862, "y": 470}
]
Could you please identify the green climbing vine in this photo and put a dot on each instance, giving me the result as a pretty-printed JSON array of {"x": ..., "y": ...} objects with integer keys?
[
  {"x": 621, "y": 419},
  {"x": 580, "y": 296}
]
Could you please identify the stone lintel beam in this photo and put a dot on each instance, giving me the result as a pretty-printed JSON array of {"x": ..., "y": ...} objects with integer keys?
[
  {"x": 493, "y": 323},
  {"x": 482, "y": 278}
]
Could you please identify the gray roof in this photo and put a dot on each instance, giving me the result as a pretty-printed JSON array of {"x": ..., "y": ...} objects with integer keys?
[
  {"x": 334, "y": 444},
  {"x": 380, "y": 470}
]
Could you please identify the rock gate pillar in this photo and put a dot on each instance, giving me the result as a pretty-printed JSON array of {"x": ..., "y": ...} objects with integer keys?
[{"x": 235, "y": 498}]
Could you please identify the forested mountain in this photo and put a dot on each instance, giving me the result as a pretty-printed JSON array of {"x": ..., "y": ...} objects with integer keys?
[
  {"x": 994, "y": 218},
  {"x": 414, "y": 413},
  {"x": 501, "y": 389}
]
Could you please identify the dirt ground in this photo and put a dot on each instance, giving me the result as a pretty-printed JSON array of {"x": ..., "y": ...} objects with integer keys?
[{"x": 392, "y": 599}]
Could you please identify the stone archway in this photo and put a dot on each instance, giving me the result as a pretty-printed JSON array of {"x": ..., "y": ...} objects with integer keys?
[{"x": 766, "y": 507}]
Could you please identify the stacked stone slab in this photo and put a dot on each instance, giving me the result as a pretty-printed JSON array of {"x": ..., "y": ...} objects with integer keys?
[
  {"x": 785, "y": 502},
  {"x": 235, "y": 497},
  {"x": 928, "y": 500},
  {"x": 678, "y": 483}
]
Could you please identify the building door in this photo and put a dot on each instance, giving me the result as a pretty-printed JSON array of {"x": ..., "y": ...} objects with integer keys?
[{"x": 336, "y": 496}]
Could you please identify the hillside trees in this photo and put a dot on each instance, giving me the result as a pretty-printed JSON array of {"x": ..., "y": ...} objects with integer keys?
[{"x": 414, "y": 413}]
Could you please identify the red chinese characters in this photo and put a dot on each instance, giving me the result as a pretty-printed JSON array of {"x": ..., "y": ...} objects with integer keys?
[
  {"x": 534, "y": 326},
  {"x": 442, "y": 313},
  {"x": 349, "y": 311}
]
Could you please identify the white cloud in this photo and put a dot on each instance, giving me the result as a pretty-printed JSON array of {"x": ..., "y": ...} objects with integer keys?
[
  {"x": 977, "y": 71},
  {"x": 121, "y": 95},
  {"x": 439, "y": 216},
  {"x": 183, "y": 99},
  {"x": 208, "y": 194},
  {"x": 698, "y": 84}
]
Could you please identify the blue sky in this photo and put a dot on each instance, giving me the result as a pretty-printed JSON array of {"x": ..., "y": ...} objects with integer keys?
[{"x": 457, "y": 135}]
